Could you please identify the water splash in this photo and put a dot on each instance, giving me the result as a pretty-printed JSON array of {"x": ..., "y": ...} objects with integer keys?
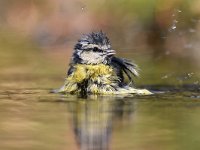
[
  {"x": 173, "y": 27},
  {"x": 190, "y": 74},
  {"x": 179, "y": 11},
  {"x": 186, "y": 76},
  {"x": 195, "y": 96},
  {"x": 83, "y": 7},
  {"x": 167, "y": 76}
]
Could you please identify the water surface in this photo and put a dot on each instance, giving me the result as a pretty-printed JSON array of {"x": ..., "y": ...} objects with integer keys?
[{"x": 32, "y": 118}]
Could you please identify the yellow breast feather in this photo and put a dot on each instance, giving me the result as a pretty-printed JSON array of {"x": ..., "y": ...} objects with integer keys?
[
  {"x": 95, "y": 74},
  {"x": 101, "y": 79}
]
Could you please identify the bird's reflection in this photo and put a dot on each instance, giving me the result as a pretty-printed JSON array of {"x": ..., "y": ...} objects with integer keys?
[{"x": 93, "y": 120}]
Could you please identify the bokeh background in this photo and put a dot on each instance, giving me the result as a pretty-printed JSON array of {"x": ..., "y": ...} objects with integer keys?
[
  {"x": 37, "y": 38},
  {"x": 36, "y": 42}
]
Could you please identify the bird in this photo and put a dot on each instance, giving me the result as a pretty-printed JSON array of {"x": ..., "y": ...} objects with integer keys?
[{"x": 94, "y": 69}]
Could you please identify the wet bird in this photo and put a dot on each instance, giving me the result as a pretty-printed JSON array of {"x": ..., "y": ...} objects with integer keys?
[{"x": 94, "y": 69}]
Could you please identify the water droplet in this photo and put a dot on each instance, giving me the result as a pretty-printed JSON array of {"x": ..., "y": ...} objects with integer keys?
[
  {"x": 186, "y": 76},
  {"x": 83, "y": 7},
  {"x": 173, "y": 27},
  {"x": 164, "y": 77},
  {"x": 175, "y": 21},
  {"x": 179, "y": 11},
  {"x": 195, "y": 96},
  {"x": 167, "y": 76},
  {"x": 190, "y": 74}
]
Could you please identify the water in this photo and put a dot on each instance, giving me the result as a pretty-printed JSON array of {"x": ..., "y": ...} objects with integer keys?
[
  {"x": 32, "y": 118},
  {"x": 35, "y": 119},
  {"x": 175, "y": 16}
]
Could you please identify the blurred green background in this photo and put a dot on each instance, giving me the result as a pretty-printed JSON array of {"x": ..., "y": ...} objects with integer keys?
[
  {"x": 37, "y": 38},
  {"x": 36, "y": 43}
]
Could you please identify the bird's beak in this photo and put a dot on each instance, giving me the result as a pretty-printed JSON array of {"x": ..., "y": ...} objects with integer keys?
[{"x": 110, "y": 52}]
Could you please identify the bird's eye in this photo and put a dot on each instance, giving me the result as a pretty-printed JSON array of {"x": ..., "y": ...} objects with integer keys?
[{"x": 95, "y": 49}]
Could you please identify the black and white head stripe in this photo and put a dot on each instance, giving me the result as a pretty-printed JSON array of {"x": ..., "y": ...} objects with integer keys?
[
  {"x": 94, "y": 39},
  {"x": 93, "y": 48}
]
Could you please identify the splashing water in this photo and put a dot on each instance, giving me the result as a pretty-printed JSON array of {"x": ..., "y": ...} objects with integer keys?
[
  {"x": 173, "y": 27},
  {"x": 167, "y": 76},
  {"x": 186, "y": 76},
  {"x": 83, "y": 7}
]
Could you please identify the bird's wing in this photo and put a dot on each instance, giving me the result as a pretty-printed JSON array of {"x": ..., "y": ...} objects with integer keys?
[
  {"x": 128, "y": 67},
  {"x": 70, "y": 70}
]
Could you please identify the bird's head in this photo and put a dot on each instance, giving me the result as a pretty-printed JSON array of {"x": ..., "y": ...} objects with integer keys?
[{"x": 93, "y": 48}]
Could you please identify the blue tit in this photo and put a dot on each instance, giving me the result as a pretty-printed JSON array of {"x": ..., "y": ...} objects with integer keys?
[{"x": 94, "y": 69}]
